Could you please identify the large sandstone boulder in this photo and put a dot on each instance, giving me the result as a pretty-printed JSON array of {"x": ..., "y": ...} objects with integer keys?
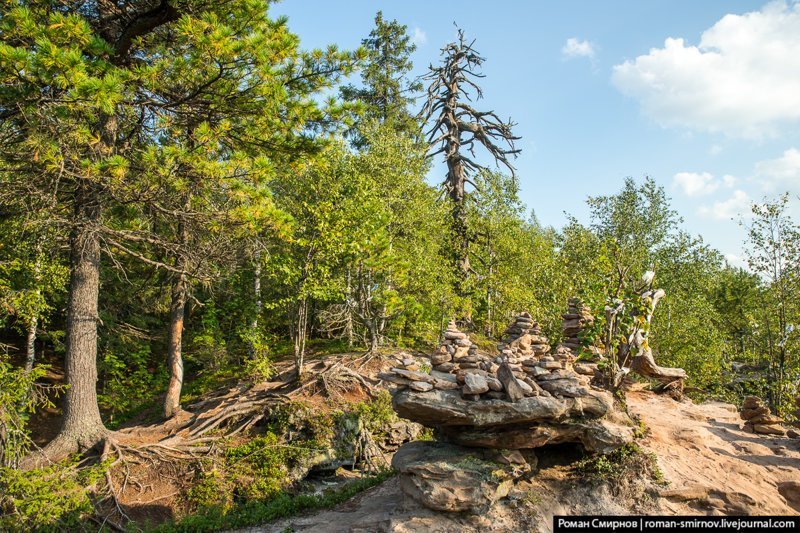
[
  {"x": 450, "y": 478},
  {"x": 592, "y": 419}
]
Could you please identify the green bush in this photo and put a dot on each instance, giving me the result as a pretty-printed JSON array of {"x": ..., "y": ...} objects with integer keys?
[{"x": 55, "y": 498}]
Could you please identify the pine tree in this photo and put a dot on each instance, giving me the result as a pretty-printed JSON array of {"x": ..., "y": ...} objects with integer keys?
[{"x": 386, "y": 93}]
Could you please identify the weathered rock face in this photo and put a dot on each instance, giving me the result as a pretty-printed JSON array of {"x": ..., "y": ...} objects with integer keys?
[
  {"x": 531, "y": 422},
  {"x": 450, "y": 478}
]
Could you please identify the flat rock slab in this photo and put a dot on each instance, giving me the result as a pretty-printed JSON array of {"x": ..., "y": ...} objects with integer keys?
[
  {"x": 439, "y": 408},
  {"x": 450, "y": 478}
]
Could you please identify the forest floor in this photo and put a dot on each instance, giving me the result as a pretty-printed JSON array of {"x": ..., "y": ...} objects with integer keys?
[{"x": 710, "y": 466}]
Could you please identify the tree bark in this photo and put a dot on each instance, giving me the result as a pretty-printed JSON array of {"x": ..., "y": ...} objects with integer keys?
[
  {"x": 33, "y": 325},
  {"x": 643, "y": 363},
  {"x": 82, "y": 428},
  {"x": 258, "y": 304},
  {"x": 300, "y": 336},
  {"x": 172, "y": 402},
  {"x": 30, "y": 345}
]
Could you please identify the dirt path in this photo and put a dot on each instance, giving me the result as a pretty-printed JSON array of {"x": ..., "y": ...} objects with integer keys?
[{"x": 714, "y": 466}]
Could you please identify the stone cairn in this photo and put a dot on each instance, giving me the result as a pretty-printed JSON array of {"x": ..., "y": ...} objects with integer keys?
[
  {"x": 758, "y": 418},
  {"x": 574, "y": 322},
  {"x": 495, "y": 410}
]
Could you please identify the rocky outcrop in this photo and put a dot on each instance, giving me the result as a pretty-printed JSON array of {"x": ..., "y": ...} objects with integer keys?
[
  {"x": 591, "y": 420},
  {"x": 758, "y": 418},
  {"x": 450, "y": 478},
  {"x": 521, "y": 400}
]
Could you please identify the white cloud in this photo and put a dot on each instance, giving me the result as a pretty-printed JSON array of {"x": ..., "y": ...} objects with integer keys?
[
  {"x": 736, "y": 260},
  {"x": 577, "y": 48},
  {"x": 729, "y": 181},
  {"x": 419, "y": 37},
  {"x": 695, "y": 184},
  {"x": 735, "y": 206},
  {"x": 781, "y": 174},
  {"x": 715, "y": 150},
  {"x": 743, "y": 79}
]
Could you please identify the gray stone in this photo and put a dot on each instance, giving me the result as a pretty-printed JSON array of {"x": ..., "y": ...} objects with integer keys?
[
  {"x": 413, "y": 375},
  {"x": 420, "y": 386},
  {"x": 475, "y": 384}
]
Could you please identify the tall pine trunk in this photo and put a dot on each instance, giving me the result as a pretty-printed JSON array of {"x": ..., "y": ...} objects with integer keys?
[
  {"x": 81, "y": 428},
  {"x": 172, "y": 402},
  {"x": 177, "y": 309}
]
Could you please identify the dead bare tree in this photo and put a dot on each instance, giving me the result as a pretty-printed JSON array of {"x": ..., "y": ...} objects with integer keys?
[{"x": 455, "y": 129}]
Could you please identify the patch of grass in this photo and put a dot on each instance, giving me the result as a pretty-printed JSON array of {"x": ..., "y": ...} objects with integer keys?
[
  {"x": 629, "y": 461},
  {"x": 283, "y": 505}
]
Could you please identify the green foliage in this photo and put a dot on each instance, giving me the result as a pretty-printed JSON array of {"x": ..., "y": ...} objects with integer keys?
[
  {"x": 628, "y": 461},
  {"x": 259, "y": 512},
  {"x": 376, "y": 412},
  {"x": 54, "y": 498},
  {"x": 386, "y": 92},
  {"x": 20, "y": 396}
]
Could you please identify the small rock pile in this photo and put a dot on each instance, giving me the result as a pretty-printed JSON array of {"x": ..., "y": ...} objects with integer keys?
[
  {"x": 577, "y": 318},
  {"x": 455, "y": 352},
  {"x": 523, "y": 339},
  {"x": 758, "y": 418}
]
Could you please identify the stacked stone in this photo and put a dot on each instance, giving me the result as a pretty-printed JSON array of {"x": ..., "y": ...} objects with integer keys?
[
  {"x": 522, "y": 340},
  {"x": 758, "y": 418},
  {"x": 455, "y": 352},
  {"x": 574, "y": 322}
]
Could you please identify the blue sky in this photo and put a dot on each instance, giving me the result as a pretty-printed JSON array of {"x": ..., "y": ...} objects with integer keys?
[{"x": 702, "y": 96}]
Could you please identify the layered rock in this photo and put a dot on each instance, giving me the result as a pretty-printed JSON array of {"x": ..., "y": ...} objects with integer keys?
[
  {"x": 758, "y": 418},
  {"x": 522, "y": 400},
  {"x": 450, "y": 478},
  {"x": 591, "y": 419}
]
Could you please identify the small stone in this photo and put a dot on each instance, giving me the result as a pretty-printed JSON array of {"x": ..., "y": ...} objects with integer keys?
[
  {"x": 494, "y": 384},
  {"x": 752, "y": 402},
  {"x": 454, "y": 335},
  {"x": 526, "y": 389},
  {"x": 442, "y": 384},
  {"x": 393, "y": 378},
  {"x": 551, "y": 365},
  {"x": 420, "y": 386},
  {"x": 445, "y": 367},
  {"x": 438, "y": 359},
  {"x": 475, "y": 384},
  {"x": 768, "y": 430},
  {"x": 462, "y": 373},
  {"x": 412, "y": 375},
  {"x": 510, "y": 383}
]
